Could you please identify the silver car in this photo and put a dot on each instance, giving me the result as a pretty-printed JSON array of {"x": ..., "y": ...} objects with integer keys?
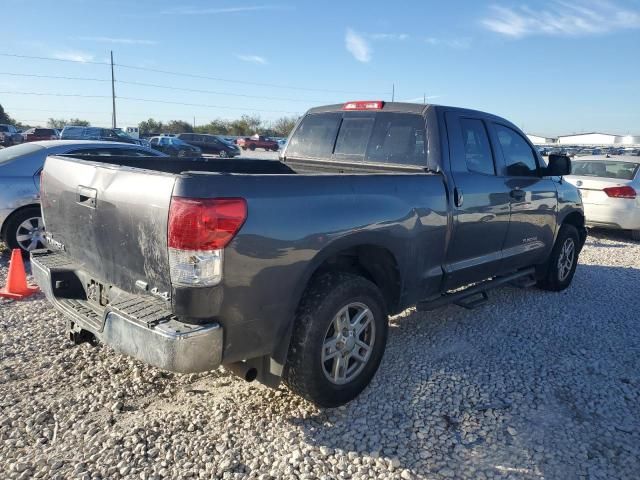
[
  {"x": 20, "y": 166},
  {"x": 610, "y": 188}
]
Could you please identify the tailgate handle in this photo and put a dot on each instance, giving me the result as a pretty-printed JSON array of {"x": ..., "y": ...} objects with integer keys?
[{"x": 87, "y": 196}]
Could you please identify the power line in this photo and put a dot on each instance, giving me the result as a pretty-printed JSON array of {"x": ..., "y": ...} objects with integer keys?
[
  {"x": 190, "y": 75},
  {"x": 213, "y": 92},
  {"x": 150, "y": 100},
  {"x": 55, "y": 77},
  {"x": 53, "y": 59},
  {"x": 155, "y": 85},
  {"x": 243, "y": 82}
]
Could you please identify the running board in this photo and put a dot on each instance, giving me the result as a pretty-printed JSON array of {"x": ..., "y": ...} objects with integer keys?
[{"x": 465, "y": 298}]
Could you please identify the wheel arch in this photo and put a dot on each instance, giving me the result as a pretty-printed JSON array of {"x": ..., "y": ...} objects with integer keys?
[
  {"x": 3, "y": 228},
  {"x": 372, "y": 260}
]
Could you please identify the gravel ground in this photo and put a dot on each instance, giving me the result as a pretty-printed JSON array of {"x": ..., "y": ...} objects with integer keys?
[{"x": 532, "y": 385}]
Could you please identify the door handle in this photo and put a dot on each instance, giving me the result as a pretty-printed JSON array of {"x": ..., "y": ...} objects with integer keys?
[
  {"x": 87, "y": 196},
  {"x": 518, "y": 194},
  {"x": 458, "y": 198}
]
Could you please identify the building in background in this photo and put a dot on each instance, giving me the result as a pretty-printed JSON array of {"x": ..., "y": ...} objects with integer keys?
[
  {"x": 594, "y": 138},
  {"x": 540, "y": 140}
]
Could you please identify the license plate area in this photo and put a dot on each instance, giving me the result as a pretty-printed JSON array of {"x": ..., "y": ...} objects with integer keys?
[{"x": 98, "y": 293}]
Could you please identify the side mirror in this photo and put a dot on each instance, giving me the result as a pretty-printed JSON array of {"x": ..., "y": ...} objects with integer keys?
[{"x": 559, "y": 165}]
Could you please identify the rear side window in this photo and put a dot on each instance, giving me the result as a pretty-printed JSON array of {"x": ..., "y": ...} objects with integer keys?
[
  {"x": 476, "y": 146},
  {"x": 518, "y": 155},
  {"x": 398, "y": 138},
  {"x": 315, "y": 136}
]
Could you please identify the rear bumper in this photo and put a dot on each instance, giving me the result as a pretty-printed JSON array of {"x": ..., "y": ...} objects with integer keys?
[
  {"x": 624, "y": 214},
  {"x": 133, "y": 325}
]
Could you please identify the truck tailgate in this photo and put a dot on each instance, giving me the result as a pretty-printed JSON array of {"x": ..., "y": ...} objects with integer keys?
[{"x": 111, "y": 220}]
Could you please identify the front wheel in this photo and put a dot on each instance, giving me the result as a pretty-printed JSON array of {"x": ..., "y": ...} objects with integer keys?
[
  {"x": 223, "y": 154},
  {"x": 339, "y": 337},
  {"x": 562, "y": 263},
  {"x": 635, "y": 235},
  {"x": 252, "y": 147}
]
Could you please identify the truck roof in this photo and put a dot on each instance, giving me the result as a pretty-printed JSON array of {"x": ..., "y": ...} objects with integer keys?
[{"x": 403, "y": 107}]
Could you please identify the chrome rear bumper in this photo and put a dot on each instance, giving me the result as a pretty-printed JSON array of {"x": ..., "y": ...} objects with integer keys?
[{"x": 159, "y": 339}]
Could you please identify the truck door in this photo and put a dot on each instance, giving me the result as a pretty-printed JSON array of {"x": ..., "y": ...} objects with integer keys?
[
  {"x": 533, "y": 199},
  {"x": 480, "y": 204}
]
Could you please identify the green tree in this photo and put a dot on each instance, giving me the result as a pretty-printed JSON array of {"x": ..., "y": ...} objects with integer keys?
[
  {"x": 283, "y": 126},
  {"x": 150, "y": 126},
  {"x": 215, "y": 127},
  {"x": 60, "y": 123},
  {"x": 246, "y": 125},
  {"x": 178, "y": 126},
  {"x": 5, "y": 117}
]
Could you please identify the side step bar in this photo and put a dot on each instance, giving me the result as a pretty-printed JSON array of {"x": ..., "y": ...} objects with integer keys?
[{"x": 463, "y": 297}]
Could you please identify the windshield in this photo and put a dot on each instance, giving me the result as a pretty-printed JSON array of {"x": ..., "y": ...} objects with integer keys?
[
  {"x": 11, "y": 153},
  {"x": 605, "y": 169},
  {"x": 121, "y": 134}
]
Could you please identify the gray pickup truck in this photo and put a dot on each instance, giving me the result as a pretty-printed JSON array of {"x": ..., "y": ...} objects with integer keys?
[{"x": 288, "y": 269}]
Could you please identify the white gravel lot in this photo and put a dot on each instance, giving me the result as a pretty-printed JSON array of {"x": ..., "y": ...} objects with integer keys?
[{"x": 532, "y": 385}]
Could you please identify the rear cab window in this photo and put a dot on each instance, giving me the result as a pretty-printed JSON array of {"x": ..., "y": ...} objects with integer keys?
[
  {"x": 605, "y": 169},
  {"x": 366, "y": 137}
]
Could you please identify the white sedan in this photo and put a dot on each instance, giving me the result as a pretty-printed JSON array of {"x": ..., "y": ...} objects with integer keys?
[{"x": 610, "y": 188}]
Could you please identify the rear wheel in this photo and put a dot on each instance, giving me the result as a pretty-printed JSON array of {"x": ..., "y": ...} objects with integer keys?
[
  {"x": 562, "y": 263},
  {"x": 25, "y": 230},
  {"x": 338, "y": 341},
  {"x": 635, "y": 235},
  {"x": 223, "y": 154}
]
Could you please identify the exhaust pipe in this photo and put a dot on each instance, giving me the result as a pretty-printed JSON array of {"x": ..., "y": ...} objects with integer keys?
[{"x": 243, "y": 370}]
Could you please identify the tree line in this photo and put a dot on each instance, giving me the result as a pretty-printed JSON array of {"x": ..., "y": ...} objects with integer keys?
[{"x": 244, "y": 126}]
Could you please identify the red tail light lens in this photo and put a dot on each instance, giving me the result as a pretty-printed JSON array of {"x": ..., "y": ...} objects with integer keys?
[
  {"x": 620, "y": 192},
  {"x": 205, "y": 223},
  {"x": 364, "y": 105}
]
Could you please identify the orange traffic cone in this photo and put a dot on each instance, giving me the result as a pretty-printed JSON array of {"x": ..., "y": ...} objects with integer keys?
[{"x": 16, "y": 286}]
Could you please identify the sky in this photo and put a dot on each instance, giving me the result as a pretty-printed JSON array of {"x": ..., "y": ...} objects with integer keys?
[{"x": 551, "y": 66}]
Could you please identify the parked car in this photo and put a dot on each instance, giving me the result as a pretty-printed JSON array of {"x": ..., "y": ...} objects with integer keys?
[
  {"x": 174, "y": 147},
  {"x": 610, "y": 191},
  {"x": 289, "y": 269},
  {"x": 257, "y": 141},
  {"x": 210, "y": 144},
  {"x": 36, "y": 134},
  {"x": 96, "y": 133},
  {"x": 9, "y": 135},
  {"x": 21, "y": 224}
]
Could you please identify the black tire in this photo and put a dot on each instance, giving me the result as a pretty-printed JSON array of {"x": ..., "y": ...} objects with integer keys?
[
  {"x": 305, "y": 371},
  {"x": 635, "y": 235},
  {"x": 223, "y": 154},
  {"x": 252, "y": 147},
  {"x": 556, "y": 278},
  {"x": 13, "y": 224}
]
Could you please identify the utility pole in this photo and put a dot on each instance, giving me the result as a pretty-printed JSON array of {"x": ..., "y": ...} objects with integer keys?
[
  {"x": 113, "y": 93},
  {"x": 424, "y": 98},
  {"x": 393, "y": 91},
  {"x": 194, "y": 122}
]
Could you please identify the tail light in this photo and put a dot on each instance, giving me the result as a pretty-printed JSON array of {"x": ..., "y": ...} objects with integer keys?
[
  {"x": 364, "y": 105},
  {"x": 199, "y": 230},
  {"x": 620, "y": 192}
]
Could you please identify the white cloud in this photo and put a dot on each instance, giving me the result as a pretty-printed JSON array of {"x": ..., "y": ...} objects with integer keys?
[
  {"x": 357, "y": 46},
  {"x": 253, "y": 59},
  {"x": 118, "y": 40},
  {"x": 582, "y": 17},
  {"x": 460, "y": 43},
  {"x": 219, "y": 10},
  {"x": 74, "y": 56},
  {"x": 388, "y": 36}
]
